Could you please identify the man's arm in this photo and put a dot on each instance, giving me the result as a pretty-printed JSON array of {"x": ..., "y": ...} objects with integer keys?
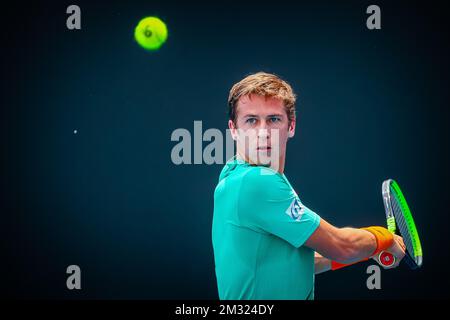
[
  {"x": 321, "y": 264},
  {"x": 347, "y": 245}
]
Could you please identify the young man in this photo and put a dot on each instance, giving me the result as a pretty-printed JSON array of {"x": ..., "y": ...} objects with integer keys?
[{"x": 267, "y": 244}]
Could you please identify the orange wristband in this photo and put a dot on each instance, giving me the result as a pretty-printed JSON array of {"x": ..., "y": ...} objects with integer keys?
[{"x": 384, "y": 238}]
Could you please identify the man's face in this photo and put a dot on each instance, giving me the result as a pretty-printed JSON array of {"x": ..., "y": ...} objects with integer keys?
[{"x": 261, "y": 131}]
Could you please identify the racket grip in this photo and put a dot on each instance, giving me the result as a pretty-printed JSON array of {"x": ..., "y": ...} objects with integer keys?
[{"x": 386, "y": 259}]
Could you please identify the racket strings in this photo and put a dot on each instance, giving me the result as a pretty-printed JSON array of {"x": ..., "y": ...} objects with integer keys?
[{"x": 402, "y": 225}]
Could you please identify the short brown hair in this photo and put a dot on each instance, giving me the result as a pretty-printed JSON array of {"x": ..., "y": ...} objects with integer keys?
[{"x": 266, "y": 85}]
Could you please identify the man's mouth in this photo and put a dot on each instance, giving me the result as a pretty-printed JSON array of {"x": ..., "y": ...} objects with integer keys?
[{"x": 266, "y": 148}]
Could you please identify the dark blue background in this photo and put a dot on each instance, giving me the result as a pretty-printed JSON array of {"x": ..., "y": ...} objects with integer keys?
[{"x": 371, "y": 105}]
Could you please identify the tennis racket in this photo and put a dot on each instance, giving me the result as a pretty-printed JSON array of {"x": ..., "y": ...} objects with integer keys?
[{"x": 399, "y": 217}]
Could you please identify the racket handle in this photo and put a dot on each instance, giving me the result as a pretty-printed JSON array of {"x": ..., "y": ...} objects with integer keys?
[{"x": 386, "y": 259}]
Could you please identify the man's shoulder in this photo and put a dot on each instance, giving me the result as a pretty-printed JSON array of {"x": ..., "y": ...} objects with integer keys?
[
  {"x": 258, "y": 181},
  {"x": 252, "y": 180}
]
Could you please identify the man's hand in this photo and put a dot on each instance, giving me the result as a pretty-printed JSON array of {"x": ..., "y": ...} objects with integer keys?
[{"x": 397, "y": 249}]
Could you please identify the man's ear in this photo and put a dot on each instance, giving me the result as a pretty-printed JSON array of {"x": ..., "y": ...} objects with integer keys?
[
  {"x": 232, "y": 129},
  {"x": 291, "y": 130},
  {"x": 291, "y": 134}
]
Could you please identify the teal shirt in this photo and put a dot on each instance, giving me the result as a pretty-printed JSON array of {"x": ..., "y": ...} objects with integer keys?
[{"x": 259, "y": 228}]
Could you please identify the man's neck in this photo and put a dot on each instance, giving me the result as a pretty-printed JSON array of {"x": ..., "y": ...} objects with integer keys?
[{"x": 274, "y": 166}]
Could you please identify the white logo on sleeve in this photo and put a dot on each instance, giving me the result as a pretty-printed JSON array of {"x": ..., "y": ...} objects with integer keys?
[{"x": 295, "y": 210}]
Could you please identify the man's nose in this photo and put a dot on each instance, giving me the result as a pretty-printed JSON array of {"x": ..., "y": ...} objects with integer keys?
[{"x": 263, "y": 130}]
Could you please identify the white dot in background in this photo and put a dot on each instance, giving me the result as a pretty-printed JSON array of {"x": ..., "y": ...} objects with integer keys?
[{"x": 75, "y": 131}]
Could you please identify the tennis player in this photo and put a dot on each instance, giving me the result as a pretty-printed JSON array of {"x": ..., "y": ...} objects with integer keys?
[{"x": 267, "y": 244}]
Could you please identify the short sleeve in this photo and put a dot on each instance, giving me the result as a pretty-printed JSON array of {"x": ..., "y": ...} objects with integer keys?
[{"x": 267, "y": 203}]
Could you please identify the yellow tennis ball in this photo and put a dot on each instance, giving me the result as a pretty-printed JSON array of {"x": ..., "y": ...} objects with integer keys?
[{"x": 151, "y": 33}]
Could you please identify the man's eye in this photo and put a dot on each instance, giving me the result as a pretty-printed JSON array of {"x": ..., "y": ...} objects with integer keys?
[
  {"x": 274, "y": 119},
  {"x": 251, "y": 120}
]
